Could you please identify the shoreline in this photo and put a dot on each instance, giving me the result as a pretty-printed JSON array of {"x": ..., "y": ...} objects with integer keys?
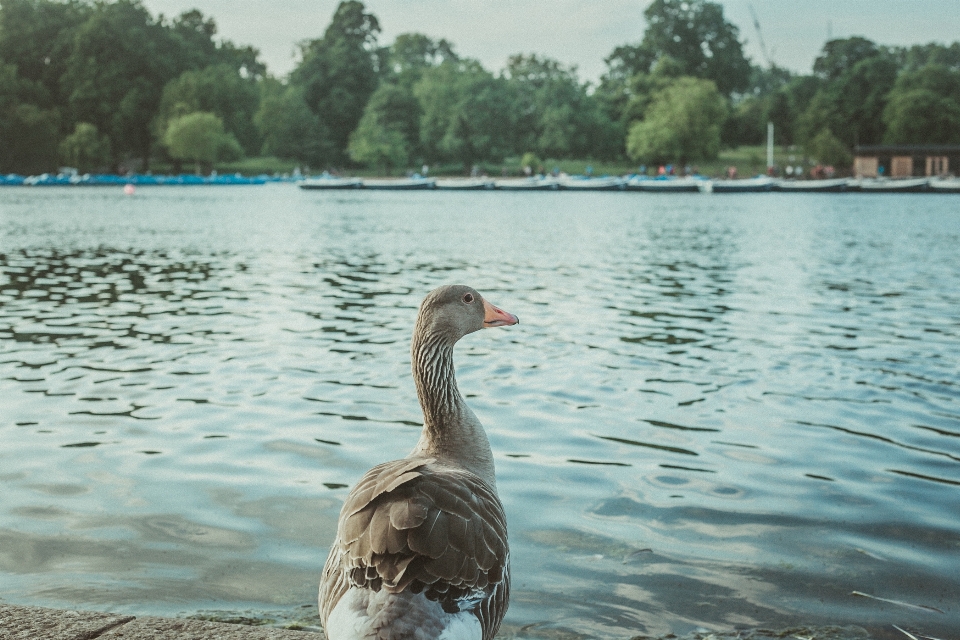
[
  {"x": 19, "y": 622},
  {"x": 25, "y": 622}
]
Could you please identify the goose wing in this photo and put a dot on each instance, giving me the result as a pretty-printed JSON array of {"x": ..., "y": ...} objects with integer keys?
[{"x": 437, "y": 530}]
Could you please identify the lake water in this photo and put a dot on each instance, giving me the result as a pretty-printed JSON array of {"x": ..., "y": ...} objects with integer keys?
[{"x": 718, "y": 411}]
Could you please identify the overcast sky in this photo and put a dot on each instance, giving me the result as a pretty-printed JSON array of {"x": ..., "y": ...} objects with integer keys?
[{"x": 579, "y": 32}]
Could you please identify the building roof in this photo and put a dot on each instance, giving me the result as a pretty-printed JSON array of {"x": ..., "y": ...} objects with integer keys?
[{"x": 906, "y": 149}]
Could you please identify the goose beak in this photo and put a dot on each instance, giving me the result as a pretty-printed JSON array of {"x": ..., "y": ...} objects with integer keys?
[{"x": 494, "y": 317}]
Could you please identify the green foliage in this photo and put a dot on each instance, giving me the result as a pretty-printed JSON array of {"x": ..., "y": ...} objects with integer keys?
[
  {"x": 339, "y": 72},
  {"x": 839, "y": 56},
  {"x": 290, "y": 130},
  {"x": 851, "y": 101},
  {"x": 28, "y": 132},
  {"x": 115, "y": 73},
  {"x": 389, "y": 130},
  {"x": 413, "y": 53},
  {"x": 827, "y": 149},
  {"x": 924, "y": 107},
  {"x": 85, "y": 149},
  {"x": 695, "y": 34},
  {"x": 200, "y": 137},
  {"x": 219, "y": 89},
  {"x": 101, "y": 82},
  {"x": 682, "y": 124},
  {"x": 38, "y": 36},
  {"x": 746, "y": 122},
  {"x": 377, "y": 145},
  {"x": 467, "y": 114},
  {"x": 530, "y": 159},
  {"x": 554, "y": 114}
]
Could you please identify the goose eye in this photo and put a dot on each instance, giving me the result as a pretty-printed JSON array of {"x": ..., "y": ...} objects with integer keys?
[{"x": 468, "y": 298}]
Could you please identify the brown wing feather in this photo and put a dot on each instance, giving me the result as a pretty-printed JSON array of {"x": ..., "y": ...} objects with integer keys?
[{"x": 414, "y": 524}]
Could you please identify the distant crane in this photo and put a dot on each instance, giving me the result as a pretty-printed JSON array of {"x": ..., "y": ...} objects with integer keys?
[
  {"x": 756, "y": 25},
  {"x": 766, "y": 57}
]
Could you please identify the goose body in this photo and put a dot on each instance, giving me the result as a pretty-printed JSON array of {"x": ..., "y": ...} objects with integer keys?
[{"x": 421, "y": 549}]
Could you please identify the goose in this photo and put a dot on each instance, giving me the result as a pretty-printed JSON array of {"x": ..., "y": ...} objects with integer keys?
[{"x": 421, "y": 549}]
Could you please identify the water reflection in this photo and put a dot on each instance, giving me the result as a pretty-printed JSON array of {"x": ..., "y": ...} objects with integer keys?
[{"x": 718, "y": 412}]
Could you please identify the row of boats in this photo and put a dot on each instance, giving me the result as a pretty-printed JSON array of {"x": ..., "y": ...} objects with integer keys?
[
  {"x": 111, "y": 180},
  {"x": 565, "y": 183},
  {"x": 641, "y": 183}
]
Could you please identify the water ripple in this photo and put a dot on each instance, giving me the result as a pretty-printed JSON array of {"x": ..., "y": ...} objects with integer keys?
[{"x": 760, "y": 393}]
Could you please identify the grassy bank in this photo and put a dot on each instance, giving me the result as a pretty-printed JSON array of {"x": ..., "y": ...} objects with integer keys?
[{"x": 749, "y": 161}]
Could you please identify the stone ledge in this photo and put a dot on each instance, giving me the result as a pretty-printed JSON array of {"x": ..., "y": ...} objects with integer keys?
[{"x": 39, "y": 623}]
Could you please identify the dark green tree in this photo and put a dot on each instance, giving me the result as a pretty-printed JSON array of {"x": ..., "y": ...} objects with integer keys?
[
  {"x": 115, "y": 74},
  {"x": 696, "y": 35},
  {"x": 921, "y": 55},
  {"x": 839, "y": 56},
  {"x": 924, "y": 107},
  {"x": 467, "y": 113},
  {"x": 194, "y": 47},
  {"x": 851, "y": 100},
  {"x": 218, "y": 89},
  {"x": 28, "y": 132},
  {"x": 339, "y": 72},
  {"x": 413, "y": 53},
  {"x": 388, "y": 134},
  {"x": 38, "y": 36},
  {"x": 555, "y": 115},
  {"x": 289, "y": 129}
]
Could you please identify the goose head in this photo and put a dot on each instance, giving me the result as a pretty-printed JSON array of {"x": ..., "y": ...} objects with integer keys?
[{"x": 450, "y": 312}]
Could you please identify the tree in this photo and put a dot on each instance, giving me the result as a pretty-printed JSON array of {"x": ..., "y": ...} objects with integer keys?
[
  {"x": 339, "y": 72},
  {"x": 467, "y": 113},
  {"x": 37, "y": 36},
  {"x": 851, "y": 100},
  {"x": 200, "y": 137},
  {"x": 746, "y": 122},
  {"x": 289, "y": 128},
  {"x": 413, "y": 53},
  {"x": 219, "y": 89},
  {"x": 389, "y": 131},
  {"x": 839, "y": 56},
  {"x": 193, "y": 47},
  {"x": 377, "y": 145},
  {"x": 28, "y": 132},
  {"x": 827, "y": 149},
  {"x": 115, "y": 73},
  {"x": 924, "y": 107},
  {"x": 85, "y": 149},
  {"x": 696, "y": 35},
  {"x": 555, "y": 116},
  {"x": 682, "y": 124}
]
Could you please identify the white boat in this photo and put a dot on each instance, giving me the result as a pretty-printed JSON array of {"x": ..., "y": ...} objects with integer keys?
[
  {"x": 592, "y": 184},
  {"x": 527, "y": 184},
  {"x": 944, "y": 185},
  {"x": 664, "y": 185},
  {"x": 465, "y": 184},
  {"x": 743, "y": 185},
  {"x": 400, "y": 184},
  {"x": 330, "y": 182},
  {"x": 813, "y": 186},
  {"x": 893, "y": 185}
]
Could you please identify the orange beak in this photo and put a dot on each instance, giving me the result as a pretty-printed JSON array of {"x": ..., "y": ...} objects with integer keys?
[{"x": 494, "y": 317}]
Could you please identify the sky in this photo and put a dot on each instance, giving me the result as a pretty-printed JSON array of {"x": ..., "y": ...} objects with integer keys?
[{"x": 575, "y": 32}]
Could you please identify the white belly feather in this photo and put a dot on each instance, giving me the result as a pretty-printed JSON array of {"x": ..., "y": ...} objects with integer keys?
[{"x": 363, "y": 614}]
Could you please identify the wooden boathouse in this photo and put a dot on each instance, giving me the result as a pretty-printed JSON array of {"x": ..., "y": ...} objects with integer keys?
[{"x": 905, "y": 161}]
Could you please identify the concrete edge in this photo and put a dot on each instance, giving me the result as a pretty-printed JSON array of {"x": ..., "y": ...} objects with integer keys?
[{"x": 18, "y": 622}]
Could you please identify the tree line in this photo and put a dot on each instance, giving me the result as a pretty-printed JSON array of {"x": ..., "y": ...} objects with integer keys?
[{"x": 102, "y": 85}]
